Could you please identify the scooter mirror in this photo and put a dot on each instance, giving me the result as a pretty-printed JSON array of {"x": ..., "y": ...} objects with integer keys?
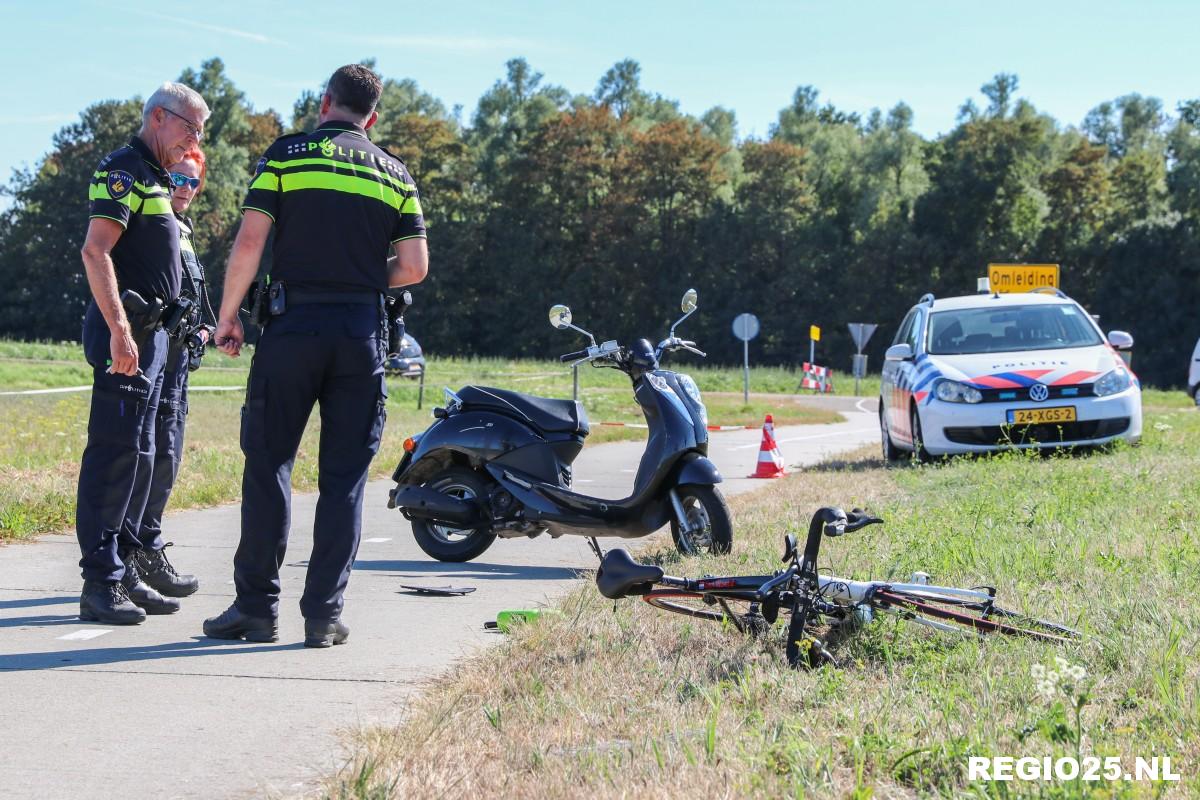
[
  {"x": 689, "y": 301},
  {"x": 560, "y": 316}
]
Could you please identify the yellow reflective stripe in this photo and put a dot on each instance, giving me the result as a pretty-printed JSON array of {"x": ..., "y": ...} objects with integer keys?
[
  {"x": 267, "y": 181},
  {"x": 155, "y": 205},
  {"x": 185, "y": 245},
  {"x": 99, "y": 191},
  {"x": 351, "y": 184},
  {"x": 406, "y": 238},
  {"x": 411, "y": 206},
  {"x": 343, "y": 165}
]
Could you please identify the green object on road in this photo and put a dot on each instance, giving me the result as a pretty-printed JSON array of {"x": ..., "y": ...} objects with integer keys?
[{"x": 506, "y": 620}]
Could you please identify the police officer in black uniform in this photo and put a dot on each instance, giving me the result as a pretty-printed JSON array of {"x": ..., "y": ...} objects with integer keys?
[
  {"x": 339, "y": 204},
  {"x": 131, "y": 257},
  {"x": 192, "y": 325}
]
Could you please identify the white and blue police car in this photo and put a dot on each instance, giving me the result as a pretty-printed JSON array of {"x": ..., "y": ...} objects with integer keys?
[{"x": 994, "y": 371}]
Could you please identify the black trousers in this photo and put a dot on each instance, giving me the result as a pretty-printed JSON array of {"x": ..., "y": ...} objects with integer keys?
[
  {"x": 169, "y": 422},
  {"x": 119, "y": 451},
  {"x": 325, "y": 354}
]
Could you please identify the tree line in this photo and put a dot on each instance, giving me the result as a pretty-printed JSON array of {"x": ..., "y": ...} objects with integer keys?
[{"x": 617, "y": 201}]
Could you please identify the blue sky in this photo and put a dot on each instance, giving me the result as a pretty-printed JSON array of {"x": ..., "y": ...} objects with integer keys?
[{"x": 750, "y": 56}]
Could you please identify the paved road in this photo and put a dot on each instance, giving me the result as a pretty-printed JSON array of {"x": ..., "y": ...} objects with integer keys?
[{"x": 159, "y": 711}]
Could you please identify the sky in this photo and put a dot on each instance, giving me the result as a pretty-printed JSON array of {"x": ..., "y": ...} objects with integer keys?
[{"x": 59, "y": 57}]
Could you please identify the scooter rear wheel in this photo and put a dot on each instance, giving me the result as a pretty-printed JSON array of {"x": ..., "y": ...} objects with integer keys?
[
  {"x": 711, "y": 529},
  {"x": 445, "y": 542}
]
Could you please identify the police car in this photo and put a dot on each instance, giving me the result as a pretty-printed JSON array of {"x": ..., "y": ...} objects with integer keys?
[
  {"x": 992, "y": 371},
  {"x": 408, "y": 363}
]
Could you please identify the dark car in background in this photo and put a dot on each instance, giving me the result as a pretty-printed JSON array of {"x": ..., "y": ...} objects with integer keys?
[{"x": 409, "y": 362}]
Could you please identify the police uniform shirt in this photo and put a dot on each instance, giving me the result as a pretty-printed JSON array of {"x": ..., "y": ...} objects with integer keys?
[
  {"x": 187, "y": 253},
  {"x": 131, "y": 188},
  {"x": 338, "y": 202}
]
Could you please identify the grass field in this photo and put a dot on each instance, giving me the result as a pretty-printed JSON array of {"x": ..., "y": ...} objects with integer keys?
[
  {"x": 42, "y": 436},
  {"x": 621, "y": 700}
]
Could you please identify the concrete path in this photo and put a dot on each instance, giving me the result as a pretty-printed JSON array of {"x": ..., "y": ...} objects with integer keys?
[{"x": 159, "y": 711}]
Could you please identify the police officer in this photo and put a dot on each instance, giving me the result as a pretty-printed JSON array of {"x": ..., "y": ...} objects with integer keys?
[
  {"x": 184, "y": 355},
  {"x": 131, "y": 257},
  {"x": 338, "y": 203}
]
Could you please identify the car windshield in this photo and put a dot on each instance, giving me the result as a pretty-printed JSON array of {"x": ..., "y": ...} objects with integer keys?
[{"x": 1005, "y": 330}]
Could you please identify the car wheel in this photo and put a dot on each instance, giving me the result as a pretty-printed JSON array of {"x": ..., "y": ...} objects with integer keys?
[
  {"x": 890, "y": 451},
  {"x": 920, "y": 454}
]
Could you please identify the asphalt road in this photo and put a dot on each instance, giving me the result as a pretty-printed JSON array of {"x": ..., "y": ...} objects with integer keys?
[{"x": 159, "y": 711}]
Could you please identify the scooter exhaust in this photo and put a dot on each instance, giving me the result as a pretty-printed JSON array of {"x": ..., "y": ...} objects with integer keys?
[{"x": 422, "y": 503}]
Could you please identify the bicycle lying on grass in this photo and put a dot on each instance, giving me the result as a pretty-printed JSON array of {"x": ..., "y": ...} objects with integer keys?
[{"x": 752, "y": 603}]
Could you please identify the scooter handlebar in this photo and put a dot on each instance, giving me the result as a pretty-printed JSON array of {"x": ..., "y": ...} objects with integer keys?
[{"x": 565, "y": 357}]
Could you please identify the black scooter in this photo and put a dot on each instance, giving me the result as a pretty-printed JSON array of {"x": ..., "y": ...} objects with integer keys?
[{"x": 498, "y": 463}]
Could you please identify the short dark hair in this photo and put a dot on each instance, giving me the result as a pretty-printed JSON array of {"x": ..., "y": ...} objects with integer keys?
[{"x": 355, "y": 88}]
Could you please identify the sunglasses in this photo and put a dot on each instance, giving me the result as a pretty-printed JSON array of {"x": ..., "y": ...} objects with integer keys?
[
  {"x": 179, "y": 180},
  {"x": 196, "y": 132}
]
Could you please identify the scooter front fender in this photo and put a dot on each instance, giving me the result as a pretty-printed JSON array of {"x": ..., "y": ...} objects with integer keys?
[{"x": 695, "y": 469}]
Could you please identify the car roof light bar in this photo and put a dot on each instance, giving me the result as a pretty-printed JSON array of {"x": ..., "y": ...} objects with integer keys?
[{"x": 926, "y": 298}]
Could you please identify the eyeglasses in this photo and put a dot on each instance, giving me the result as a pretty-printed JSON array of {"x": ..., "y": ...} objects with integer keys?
[
  {"x": 179, "y": 180},
  {"x": 196, "y": 132}
]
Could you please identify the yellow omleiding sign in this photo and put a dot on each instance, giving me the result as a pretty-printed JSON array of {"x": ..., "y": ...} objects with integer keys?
[
  {"x": 1022, "y": 277},
  {"x": 814, "y": 333}
]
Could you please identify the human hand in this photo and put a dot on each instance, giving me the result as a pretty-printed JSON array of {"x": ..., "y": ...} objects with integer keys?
[
  {"x": 123, "y": 351},
  {"x": 229, "y": 336}
]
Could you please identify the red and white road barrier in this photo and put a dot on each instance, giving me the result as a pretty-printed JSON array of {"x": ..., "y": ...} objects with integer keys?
[
  {"x": 710, "y": 427},
  {"x": 817, "y": 378}
]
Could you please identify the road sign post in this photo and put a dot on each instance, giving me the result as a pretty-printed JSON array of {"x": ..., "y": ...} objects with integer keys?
[
  {"x": 860, "y": 332},
  {"x": 745, "y": 327}
]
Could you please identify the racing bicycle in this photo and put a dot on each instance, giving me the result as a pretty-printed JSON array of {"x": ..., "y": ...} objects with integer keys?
[{"x": 753, "y": 603}]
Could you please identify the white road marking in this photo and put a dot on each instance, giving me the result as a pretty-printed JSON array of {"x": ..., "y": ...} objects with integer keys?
[
  {"x": 805, "y": 438},
  {"x": 377, "y": 540},
  {"x": 66, "y": 389},
  {"x": 84, "y": 635},
  {"x": 859, "y": 406}
]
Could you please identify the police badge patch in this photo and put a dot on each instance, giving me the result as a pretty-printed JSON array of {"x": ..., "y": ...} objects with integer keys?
[{"x": 120, "y": 183}]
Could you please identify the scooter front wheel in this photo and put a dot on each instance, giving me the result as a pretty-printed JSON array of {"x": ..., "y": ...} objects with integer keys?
[
  {"x": 709, "y": 528},
  {"x": 446, "y": 542}
]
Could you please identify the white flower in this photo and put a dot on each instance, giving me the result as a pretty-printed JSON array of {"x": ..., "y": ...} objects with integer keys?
[
  {"x": 1037, "y": 671},
  {"x": 1062, "y": 663},
  {"x": 1161, "y": 426},
  {"x": 1077, "y": 673}
]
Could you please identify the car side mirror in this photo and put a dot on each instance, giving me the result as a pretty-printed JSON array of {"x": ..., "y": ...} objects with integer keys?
[
  {"x": 1120, "y": 340},
  {"x": 899, "y": 352},
  {"x": 560, "y": 316}
]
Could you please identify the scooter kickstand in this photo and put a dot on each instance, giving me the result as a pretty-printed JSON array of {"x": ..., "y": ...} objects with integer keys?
[{"x": 595, "y": 547}]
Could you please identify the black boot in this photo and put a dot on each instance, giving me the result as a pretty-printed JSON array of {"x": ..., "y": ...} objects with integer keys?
[
  {"x": 106, "y": 602},
  {"x": 157, "y": 571},
  {"x": 142, "y": 595},
  {"x": 233, "y": 624},
  {"x": 324, "y": 633}
]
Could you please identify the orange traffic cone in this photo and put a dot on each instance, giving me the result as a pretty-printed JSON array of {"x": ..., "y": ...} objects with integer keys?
[{"x": 770, "y": 460}]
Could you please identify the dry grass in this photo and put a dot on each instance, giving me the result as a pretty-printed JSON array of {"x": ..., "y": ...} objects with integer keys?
[{"x": 622, "y": 700}]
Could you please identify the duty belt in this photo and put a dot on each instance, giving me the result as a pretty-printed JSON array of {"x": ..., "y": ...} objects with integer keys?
[{"x": 297, "y": 297}]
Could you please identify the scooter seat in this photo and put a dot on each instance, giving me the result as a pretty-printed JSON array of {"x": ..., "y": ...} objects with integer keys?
[{"x": 551, "y": 416}]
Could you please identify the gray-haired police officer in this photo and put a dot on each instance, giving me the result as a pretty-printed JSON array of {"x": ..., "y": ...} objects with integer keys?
[
  {"x": 132, "y": 245},
  {"x": 338, "y": 203}
]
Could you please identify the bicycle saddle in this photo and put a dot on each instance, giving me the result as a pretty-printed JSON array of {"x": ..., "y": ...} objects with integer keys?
[{"x": 619, "y": 575}]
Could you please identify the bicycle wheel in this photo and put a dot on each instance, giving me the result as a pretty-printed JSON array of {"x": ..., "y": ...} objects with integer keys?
[
  {"x": 981, "y": 617},
  {"x": 710, "y": 607}
]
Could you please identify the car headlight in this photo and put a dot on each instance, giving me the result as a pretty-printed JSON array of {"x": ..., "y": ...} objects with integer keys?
[
  {"x": 1112, "y": 382},
  {"x": 955, "y": 392},
  {"x": 693, "y": 392}
]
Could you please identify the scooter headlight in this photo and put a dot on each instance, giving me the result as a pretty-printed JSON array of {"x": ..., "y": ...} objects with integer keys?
[
  {"x": 692, "y": 391},
  {"x": 956, "y": 392},
  {"x": 1113, "y": 382}
]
